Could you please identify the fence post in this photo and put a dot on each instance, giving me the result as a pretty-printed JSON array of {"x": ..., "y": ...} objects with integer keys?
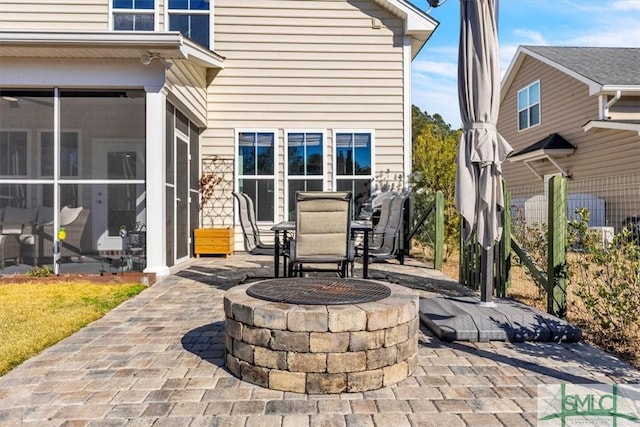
[
  {"x": 557, "y": 255},
  {"x": 502, "y": 256},
  {"x": 439, "y": 234}
]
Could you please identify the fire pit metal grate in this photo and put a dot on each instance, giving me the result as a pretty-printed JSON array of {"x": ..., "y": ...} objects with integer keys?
[{"x": 319, "y": 291}]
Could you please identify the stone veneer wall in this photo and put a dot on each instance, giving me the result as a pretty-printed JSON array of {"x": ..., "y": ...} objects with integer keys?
[{"x": 322, "y": 349}]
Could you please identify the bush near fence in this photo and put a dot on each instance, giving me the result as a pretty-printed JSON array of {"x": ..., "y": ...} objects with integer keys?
[{"x": 603, "y": 257}]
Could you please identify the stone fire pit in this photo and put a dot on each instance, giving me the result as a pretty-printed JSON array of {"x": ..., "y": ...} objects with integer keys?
[{"x": 321, "y": 335}]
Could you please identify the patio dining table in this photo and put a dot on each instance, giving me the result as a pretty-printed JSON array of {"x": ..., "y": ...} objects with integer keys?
[{"x": 358, "y": 226}]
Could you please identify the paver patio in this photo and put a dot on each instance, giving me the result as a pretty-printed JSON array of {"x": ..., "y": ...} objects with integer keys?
[{"x": 158, "y": 359}]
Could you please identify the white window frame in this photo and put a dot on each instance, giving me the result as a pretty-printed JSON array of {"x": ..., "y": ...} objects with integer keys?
[
  {"x": 287, "y": 177},
  {"x": 155, "y": 12},
  {"x": 529, "y": 106},
  {"x": 371, "y": 176},
  {"x": 28, "y": 135},
  {"x": 274, "y": 177},
  {"x": 168, "y": 12}
]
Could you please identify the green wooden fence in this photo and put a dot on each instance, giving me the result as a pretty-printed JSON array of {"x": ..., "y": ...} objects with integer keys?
[
  {"x": 553, "y": 280},
  {"x": 435, "y": 212}
]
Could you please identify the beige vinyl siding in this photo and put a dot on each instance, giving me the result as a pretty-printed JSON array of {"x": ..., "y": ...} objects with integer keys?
[
  {"x": 565, "y": 108},
  {"x": 627, "y": 108},
  {"x": 188, "y": 82},
  {"x": 308, "y": 65},
  {"x": 81, "y": 15}
]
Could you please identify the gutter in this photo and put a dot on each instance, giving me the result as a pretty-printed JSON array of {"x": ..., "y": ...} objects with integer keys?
[{"x": 609, "y": 104}]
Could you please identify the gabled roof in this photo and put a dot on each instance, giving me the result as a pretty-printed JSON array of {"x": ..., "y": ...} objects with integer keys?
[
  {"x": 553, "y": 143},
  {"x": 603, "y": 69},
  {"x": 549, "y": 148}
]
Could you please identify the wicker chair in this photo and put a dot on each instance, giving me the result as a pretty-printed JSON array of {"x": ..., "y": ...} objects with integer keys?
[{"x": 39, "y": 245}]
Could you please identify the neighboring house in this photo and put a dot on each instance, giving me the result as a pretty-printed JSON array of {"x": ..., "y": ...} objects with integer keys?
[
  {"x": 110, "y": 105},
  {"x": 574, "y": 111}
]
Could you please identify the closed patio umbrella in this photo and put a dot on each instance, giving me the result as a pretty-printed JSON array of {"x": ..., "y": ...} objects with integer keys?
[{"x": 479, "y": 193}]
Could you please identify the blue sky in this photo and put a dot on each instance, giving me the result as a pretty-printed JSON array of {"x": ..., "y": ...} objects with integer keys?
[{"x": 520, "y": 22}]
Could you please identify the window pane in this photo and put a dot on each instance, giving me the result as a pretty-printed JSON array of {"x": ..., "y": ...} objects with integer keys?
[
  {"x": 123, "y": 4},
  {"x": 46, "y": 154},
  {"x": 13, "y": 153},
  {"x": 68, "y": 154},
  {"x": 522, "y": 120},
  {"x": 265, "y": 149},
  {"x": 123, "y": 22},
  {"x": 363, "y": 154},
  {"x": 144, "y": 22},
  {"x": 246, "y": 155},
  {"x": 144, "y": 4},
  {"x": 199, "y": 4},
  {"x": 360, "y": 189},
  {"x": 534, "y": 115},
  {"x": 534, "y": 93},
  {"x": 344, "y": 154},
  {"x": 522, "y": 99},
  {"x": 314, "y": 154},
  {"x": 296, "y": 153},
  {"x": 262, "y": 194},
  {"x": 179, "y": 23},
  {"x": 199, "y": 29},
  {"x": 178, "y": 4}
]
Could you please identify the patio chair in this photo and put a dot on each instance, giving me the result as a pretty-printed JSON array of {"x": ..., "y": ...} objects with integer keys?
[
  {"x": 377, "y": 235},
  {"x": 390, "y": 244},
  {"x": 38, "y": 246},
  {"x": 322, "y": 232},
  {"x": 253, "y": 243}
]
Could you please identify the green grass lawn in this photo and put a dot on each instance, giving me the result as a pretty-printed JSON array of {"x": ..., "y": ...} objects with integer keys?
[{"x": 34, "y": 316}]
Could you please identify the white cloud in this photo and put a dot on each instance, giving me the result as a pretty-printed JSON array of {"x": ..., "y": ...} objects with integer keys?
[
  {"x": 626, "y": 5},
  {"x": 529, "y": 36},
  {"x": 437, "y": 94},
  {"x": 434, "y": 67}
]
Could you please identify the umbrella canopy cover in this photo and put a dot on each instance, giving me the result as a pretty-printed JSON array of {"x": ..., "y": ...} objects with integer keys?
[{"x": 479, "y": 191}]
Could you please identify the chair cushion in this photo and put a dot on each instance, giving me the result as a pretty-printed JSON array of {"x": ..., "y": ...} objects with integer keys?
[
  {"x": 68, "y": 215},
  {"x": 45, "y": 215},
  {"x": 15, "y": 218}
]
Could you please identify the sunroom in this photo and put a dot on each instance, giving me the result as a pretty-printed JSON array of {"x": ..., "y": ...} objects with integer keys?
[{"x": 99, "y": 150}]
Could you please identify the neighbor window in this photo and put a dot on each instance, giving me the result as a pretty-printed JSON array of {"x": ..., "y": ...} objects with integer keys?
[
  {"x": 133, "y": 15},
  {"x": 353, "y": 163},
  {"x": 529, "y": 106},
  {"x": 256, "y": 171},
  {"x": 305, "y": 165},
  {"x": 191, "y": 18}
]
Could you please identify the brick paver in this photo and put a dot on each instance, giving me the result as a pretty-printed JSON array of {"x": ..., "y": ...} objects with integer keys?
[{"x": 158, "y": 360}]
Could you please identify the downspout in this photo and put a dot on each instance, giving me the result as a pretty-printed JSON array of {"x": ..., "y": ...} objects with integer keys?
[{"x": 609, "y": 104}]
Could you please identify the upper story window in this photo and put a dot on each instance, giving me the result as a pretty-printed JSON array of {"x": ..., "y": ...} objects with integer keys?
[
  {"x": 133, "y": 15},
  {"x": 191, "y": 18},
  {"x": 529, "y": 106}
]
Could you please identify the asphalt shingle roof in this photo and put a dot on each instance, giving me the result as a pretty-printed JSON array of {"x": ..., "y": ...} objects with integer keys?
[
  {"x": 551, "y": 142},
  {"x": 603, "y": 65}
]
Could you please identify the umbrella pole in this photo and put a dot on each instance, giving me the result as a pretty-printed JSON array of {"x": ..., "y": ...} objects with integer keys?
[{"x": 486, "y": 278}]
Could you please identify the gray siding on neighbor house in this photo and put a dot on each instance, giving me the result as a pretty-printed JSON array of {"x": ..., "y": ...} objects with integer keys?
[
  {"x": 85, "y": 15},
  {"x": 565, "y": 108},
  {"x": 308, "y": 65}
]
